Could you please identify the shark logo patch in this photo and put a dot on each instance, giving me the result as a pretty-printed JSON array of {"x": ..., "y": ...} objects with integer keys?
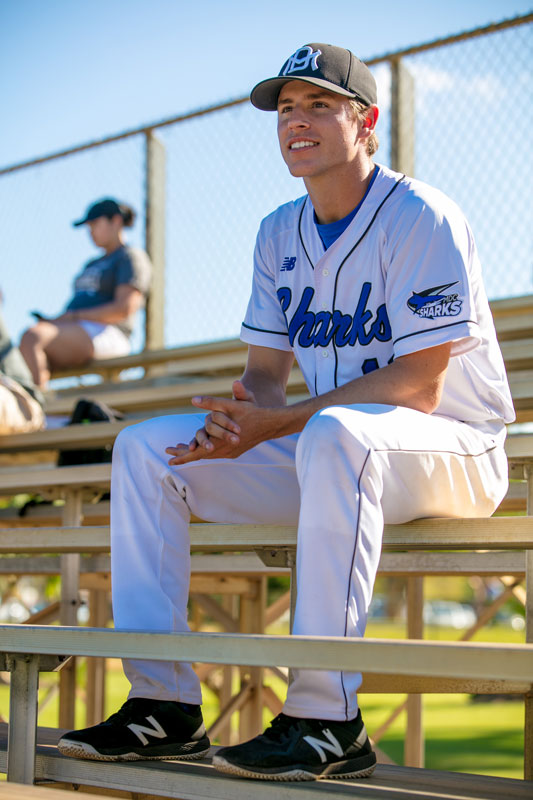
[{"x": 435, "y": 303}]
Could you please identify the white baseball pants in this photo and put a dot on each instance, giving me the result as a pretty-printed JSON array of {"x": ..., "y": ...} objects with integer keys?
[{"x": 350, "y": 470}]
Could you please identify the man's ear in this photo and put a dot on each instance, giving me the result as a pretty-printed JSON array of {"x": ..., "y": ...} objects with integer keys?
[{"x": 370, "y": 119}]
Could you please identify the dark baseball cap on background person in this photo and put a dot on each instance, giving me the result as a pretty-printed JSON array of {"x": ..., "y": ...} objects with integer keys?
[
  {"x": 324, "y": 65},
  {"x": 103, "y": 208}
]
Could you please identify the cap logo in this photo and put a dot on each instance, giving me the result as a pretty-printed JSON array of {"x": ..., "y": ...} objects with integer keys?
[{"x": 302, "y": 59}]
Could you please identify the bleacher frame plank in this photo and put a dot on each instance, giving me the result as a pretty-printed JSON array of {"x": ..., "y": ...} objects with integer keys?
[
  {"x": 198, "y": 780},
  {"x": 172, "y": 395},
  {"x": 488, "y": 661},
  {"x": 184, "y": 355},
  {"x": 420, "y": 564},
  {"x": 493, "y": 533},
  {"x": 64, "y": 438},
  {"x": 23, "y": 791}
]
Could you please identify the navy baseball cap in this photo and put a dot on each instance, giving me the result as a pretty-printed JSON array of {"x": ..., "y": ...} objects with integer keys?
[
  {"x": 104, "y": 208},
  {"x": 332, "y": 68}
]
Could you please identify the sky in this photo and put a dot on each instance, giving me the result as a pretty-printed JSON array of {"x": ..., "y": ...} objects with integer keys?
[{"x": 72, "y": 71}]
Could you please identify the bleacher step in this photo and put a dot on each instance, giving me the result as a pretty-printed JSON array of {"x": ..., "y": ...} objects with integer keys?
[{"x": 199, "y": 781}]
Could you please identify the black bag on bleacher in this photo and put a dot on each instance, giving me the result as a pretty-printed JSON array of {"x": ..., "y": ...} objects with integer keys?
[{"x": 86, "y": 412}]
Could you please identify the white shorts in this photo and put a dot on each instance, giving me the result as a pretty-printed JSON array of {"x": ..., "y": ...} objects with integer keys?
[{"x": 108, "y": 340}]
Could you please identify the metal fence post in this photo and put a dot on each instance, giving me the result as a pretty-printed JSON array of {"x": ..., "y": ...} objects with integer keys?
[
  {"x": 155, "y": 239},
  {"x": 528, "y": 700},
  {"x": 402, "y": 119}
]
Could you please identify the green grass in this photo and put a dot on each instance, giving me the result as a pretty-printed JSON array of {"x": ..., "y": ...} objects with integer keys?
[
  {"x": 503, "y": 634},
  {"x": 461, "y": 735}
]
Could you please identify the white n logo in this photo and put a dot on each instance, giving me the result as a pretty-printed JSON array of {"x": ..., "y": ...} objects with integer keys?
[
  {"x": 302, "y": 59},
  {"x": 320, "y": 745},
  {"x": 140, "y": 730}
]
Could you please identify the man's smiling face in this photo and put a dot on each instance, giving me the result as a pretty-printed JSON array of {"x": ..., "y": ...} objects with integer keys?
[{"x": 317, "y": 129}]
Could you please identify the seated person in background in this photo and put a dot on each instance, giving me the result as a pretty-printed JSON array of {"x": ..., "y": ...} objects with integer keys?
[
  {"x": 109, "y": 291},
  {"x": 20, "y": 402}
]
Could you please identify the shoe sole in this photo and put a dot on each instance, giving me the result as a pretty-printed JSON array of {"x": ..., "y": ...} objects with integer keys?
[
  {"x": 68, "y": 747},
  {"x": 298, "y": 774}
]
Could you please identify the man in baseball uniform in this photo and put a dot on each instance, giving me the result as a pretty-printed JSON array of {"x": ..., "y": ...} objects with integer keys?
[{"x": 372, "y": 282}]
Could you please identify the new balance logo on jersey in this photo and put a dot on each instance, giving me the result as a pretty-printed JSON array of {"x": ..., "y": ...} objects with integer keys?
[
  {"x": 332, "y": 745},
  {"x": 302, "y": 59},
  {"x": 140, "y": 730},
  {"x": 433, "y": 303},
  {"x": 289, "y": 262}
]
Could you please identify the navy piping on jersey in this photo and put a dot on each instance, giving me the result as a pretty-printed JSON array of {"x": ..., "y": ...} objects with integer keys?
[
  {"x": 350, "y": 574},
  {"x": 264, "y": 330},
  {"x": 300, "y": 233},
  {"x": 436, "y": 328}
]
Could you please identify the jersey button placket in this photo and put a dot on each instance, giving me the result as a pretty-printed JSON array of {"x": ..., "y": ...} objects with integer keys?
[{"x": 324, "y": 355}]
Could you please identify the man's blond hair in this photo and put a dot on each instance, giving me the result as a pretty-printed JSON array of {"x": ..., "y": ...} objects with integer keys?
[{"x": 361, "y": 111}]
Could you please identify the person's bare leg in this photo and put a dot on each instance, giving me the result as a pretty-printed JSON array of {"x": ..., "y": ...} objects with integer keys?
[
  {"x": 51, "y": 345},
  {"x": 32, "y": 345}
]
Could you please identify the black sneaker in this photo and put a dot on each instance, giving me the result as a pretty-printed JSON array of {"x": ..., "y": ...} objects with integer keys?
[
  {"x": 295, "y": 749},
  {"x": 142, "y": 729}
]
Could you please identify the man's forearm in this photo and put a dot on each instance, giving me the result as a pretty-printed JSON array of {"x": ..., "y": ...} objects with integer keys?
[
  {"x": 267, "y": 393},
  {"x": 410, "y": 382}
]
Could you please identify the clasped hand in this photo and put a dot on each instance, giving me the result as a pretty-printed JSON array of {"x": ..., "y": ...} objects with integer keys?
[{"x": 230, "y": 428}]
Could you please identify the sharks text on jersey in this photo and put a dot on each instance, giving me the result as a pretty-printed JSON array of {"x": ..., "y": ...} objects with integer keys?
[{"x": 318, "y": 329}]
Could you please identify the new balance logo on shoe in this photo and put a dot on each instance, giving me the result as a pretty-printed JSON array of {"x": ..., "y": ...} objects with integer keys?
[
  {"x": 140, "y": 730},
  {"x": 320, "y": 745},
  {"x": 300, "y": 749}
]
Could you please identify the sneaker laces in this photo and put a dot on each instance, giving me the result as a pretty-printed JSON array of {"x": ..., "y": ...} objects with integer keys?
[
  {"x": 127, "y": 712},
  {"x": 280, "y": 727}
]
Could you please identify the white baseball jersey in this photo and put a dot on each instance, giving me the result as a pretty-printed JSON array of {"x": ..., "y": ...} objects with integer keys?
[{"x": 404, "y": 276}]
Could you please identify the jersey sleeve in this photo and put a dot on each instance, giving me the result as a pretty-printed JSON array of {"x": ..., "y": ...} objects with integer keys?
[
  {"x": 134, "y": 269},
  {"x": 432, "y": 274},
  {"x": 264, "y": 323}
]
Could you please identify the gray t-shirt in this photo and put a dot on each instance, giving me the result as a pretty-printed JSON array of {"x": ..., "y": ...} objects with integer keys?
[
  {"x": 13, "y": 365},
  {"x": 96, "y": 283}
]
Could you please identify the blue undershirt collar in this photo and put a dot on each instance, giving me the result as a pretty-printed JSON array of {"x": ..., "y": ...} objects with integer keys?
[{"x": 330, "y": 232}]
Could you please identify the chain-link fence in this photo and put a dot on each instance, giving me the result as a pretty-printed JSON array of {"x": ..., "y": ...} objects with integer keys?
[{"x": 456, "y": 113}]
